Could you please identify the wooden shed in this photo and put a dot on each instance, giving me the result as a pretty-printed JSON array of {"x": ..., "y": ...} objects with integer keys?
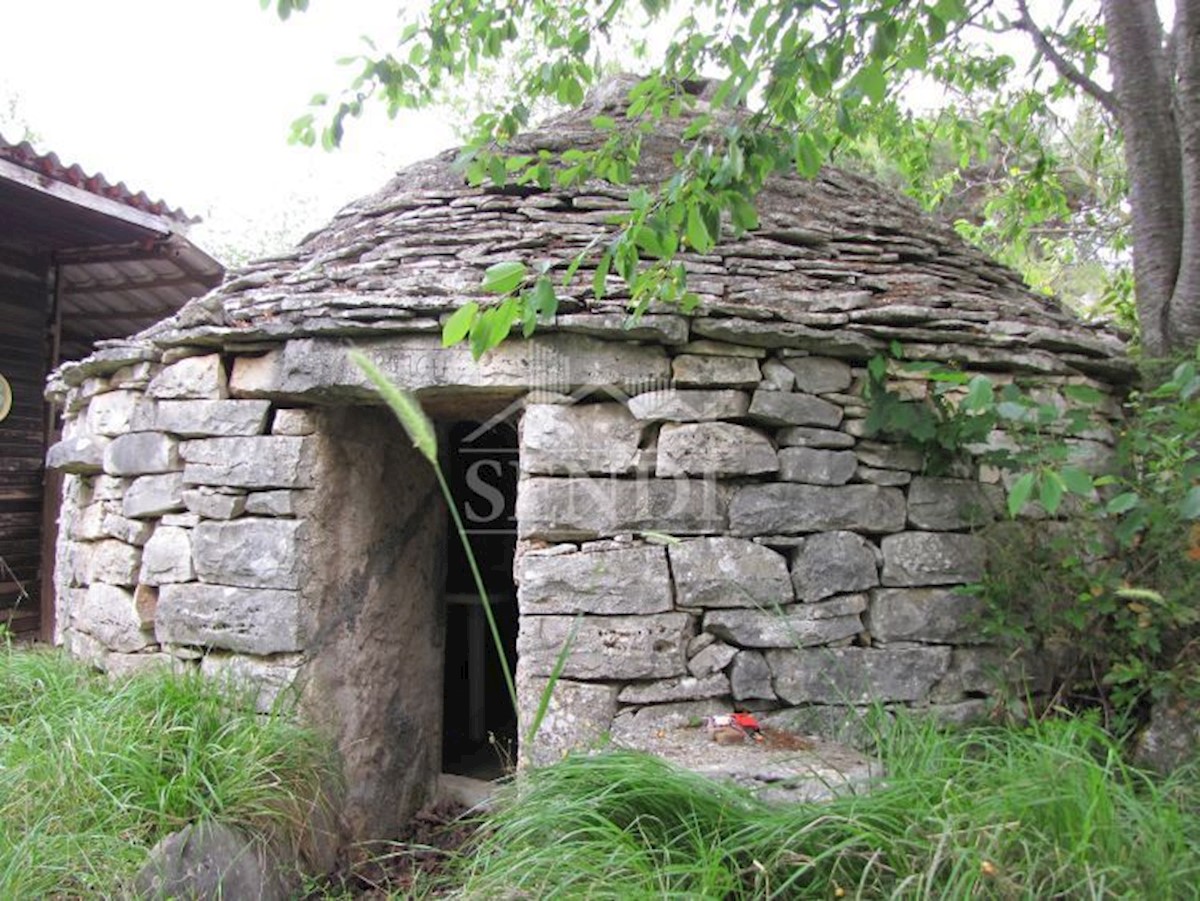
[{"x": 81, "y": 260}]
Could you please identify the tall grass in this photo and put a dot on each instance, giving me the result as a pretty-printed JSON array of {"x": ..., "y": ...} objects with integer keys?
[
  {"x": 1046, "y": 811},
  {"x": 94, "y": 772}
]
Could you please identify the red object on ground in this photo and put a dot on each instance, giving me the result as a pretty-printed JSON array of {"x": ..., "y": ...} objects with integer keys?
[{"x": 747, "y": 722}]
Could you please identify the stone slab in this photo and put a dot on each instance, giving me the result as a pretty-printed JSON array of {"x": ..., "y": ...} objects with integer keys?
[
  {"x": 925, "y": 614},
  {"x": 713, "y": 449},
  {"x": 201, "y": 377},
  {"x": 107, "y": 613},
  {"x": 701, "y": 371},
  {"x": 728, "y": 572},
  {"x": 251, "y": 620},
  {"x": 580, "y": 439},
  {"x": 803, "y": 625},
  {"x": 270, "y": 461},
  {"x": 938, "y": 504},
  {"x": 856, "y": 675},
  {"x": 578, "y": 717},
  {"x": 817, "y": 467},
  {"x": 142, "y": 453},
  {"x": 607, "y": 647},
  {"x": 681, "y": 688},
  {"x": 571, "y": 509},
  {"x": 788, "y": 409},
  {"x": 167, "y": 557},
  {"x": 791, "y": 508},
  {"x": 211, "y": 418},
  {"x": 635, "y": 580},
  {"x": 689, "y": 405},
  {"x": 830, "y": 563},
  {"x": 820, "y": 375},
  {"x": 932, "y": 558},
  {"x": 250, "y": 552}
]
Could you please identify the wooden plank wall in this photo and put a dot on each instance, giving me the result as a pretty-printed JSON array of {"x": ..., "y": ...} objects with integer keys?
[{"x": 23, "y": 350}]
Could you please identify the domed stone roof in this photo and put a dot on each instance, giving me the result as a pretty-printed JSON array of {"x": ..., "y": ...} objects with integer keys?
[{"x": 839, "y": 265}]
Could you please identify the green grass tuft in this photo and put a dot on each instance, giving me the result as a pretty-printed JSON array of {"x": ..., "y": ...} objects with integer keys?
[{"x": 93, "y": 771}]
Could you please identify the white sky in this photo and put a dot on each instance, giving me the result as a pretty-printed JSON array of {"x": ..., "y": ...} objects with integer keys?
[{"x": 191, "y": 101}]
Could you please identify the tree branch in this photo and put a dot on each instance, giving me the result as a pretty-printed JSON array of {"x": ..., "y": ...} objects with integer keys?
[{"x": 1064, "y": 66}]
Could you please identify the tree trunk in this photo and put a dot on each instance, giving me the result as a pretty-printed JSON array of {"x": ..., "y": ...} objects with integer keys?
[
  {"x": 1143, "y": 87},
  {"x": 1183, "y": 315}
]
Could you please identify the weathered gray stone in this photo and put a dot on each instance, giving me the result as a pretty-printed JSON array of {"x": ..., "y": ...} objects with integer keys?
[
  {"x": 150, "y": 496},
  {"x": 214, "y": 504},
  {"x": 280, "y": 502},
  {"x": 131, "y": 531},
  {"x": 712, "y": 658},
  {"x": 925, "y": 614},
  {"x": 807, "y": 436},
  {"x": 88, "y": 525},
  {"x": 578, "y": 717},
  {"x": 569, "y": 509},
  {"x": 316, "y": 367},
  {"x": 832, "y": 563},
  {"x": 722, "y": 349},
  {"x": 713, "y": 448},
  {"x": 682, "y": 405},
  {"x": 1171, "y": 740},
  {"x": 780, "y": 409},
  {"x": 82, "y": 454},
  {"x": 575, "y": 440},
  {"x": 885, "y": 477},
  {"x": 856, "y": 675},
  {"x": 145, "y": 602},
  {"x": 790, "y": 508},
  {"x": 115, "y": 562},
  {"x": 141, "y": 453},
  {"x": 118, "y": 412},
  {"x": 211, "y": 418},
  {"x": 607, "y": 647},
  {"x": 635, "y": 580},
  {"x": 816, "y": 467},
  {"x": 681, "y": 688},
  {"x": 889, "y": 456},
  {"x": 82, "y": 646},
  {"x": 819, "y": 375},
  {"x": 167, "y": 557},
  {"x": 991, "y": 670},
  {"x": 794, "y": 626},
  {"x": 122, "y": 666},
  {"x": 252, "y": 620},
  {"x": 267, "y": 678},
  {"x": 728, "y": 572},
  {"x": 750, "y": 677},
  {"x": 293, "y": 421},
  {"x": 180, "y": 520},
  {"x": 254, "y": 553},
  {"x": 695, "y": 370},
  {"x": 107, "y": 613},
  {"x": 192, "y": 377},
  {"x": 631, "y": 726},
  {"x": 932, "y": 558},
  {"x": 109, "y": 488},
  {"x": 858, "y": 727},
  {"x": 777, "y": 377},
  {"x": 256, "y": 462},
  {"x": 947, "y": 504},
  {"x": 209, "y": 860}
]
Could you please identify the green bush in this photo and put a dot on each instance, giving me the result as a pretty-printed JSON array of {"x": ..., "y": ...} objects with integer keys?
[{"x": 93, "y": 772}]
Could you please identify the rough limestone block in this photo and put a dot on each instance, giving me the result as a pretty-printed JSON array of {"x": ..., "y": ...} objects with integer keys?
[
  {"x": 892, "y": 478},
  {"x": 142, "y": 453},
  {"x": 145, "y": 602},
  {"x": 932, "y": 558},
  {"x": 150, "y": 496},
  {"x": 946, "y": 504},
  {"x": 681, "y": 688},
  {"x": 856, "y": 675},
  {"x": 211, "y": 418},
  {"x": 830, "y": 563},
  {"x": 115, "y": 562},
  {"x": 889, "y": 456},
  {"x": 118, "y": 412},
  {"x": 633, "y": 580},
  {"x": 83, "y": 646},
  {"x": 807, "y": 436},
  {"x": 131, "y": 531},
  {"x": 698, "y": 371},
  {"x": 266, "y": 678},
  {"x": 779, "y": 409},
  {"x": 711, "y": 659},
  {"x": 167, "y": 557},
  {"x": 122, "y": 666},
  {"x": 990, "y": 671},
  {"x": 820, "y": 375},
  {"x": 728, "y": 572},
  {"x": 109, "y": 488},
  {"x": 214, "y": 504},
  {"x": 925, "y": 614},
  {"x": 713, "y": 448},
  {"x": 816, "y": 467},
  {"x": 254, "y": 553},
  {"x": 579, "y": 440},
  {"x": 578, "y": 717},
  {"x": 88, "y": 524},
  {"x": 294, "y": 421},
  {"x": 272, "y": 503},
  {"x": 572, "y": 509},
  {"x": 782, "y": 509},
  {"x": 777, "y": 377},
  {"x": 268, "y": 461},
  {"x": 796, "y": 626},
  {"x": 695, "y": 405},
  {"x": 607, "y": 647},
  {"x": 191, "y": 378},
  {"x": 107, "y": 613},
  {"x": 251, "y": 620},
  {"x": 81, "y": 455},
  {"x": 750, "y": 677}
]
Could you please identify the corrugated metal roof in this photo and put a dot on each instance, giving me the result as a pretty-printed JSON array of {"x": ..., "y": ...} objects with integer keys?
[{"x": 50, "y": 166}]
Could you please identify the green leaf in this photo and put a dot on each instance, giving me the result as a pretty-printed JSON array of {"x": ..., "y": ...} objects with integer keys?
[
  {"x": 504, "y": 277},
  {"x": 808, "y": 157},
  {"x": 1076, "y": 480},
  {"x": 600, "y": 278},
  {"x": 1122, "y": 503},
  {"x": 457, "y": 326},
  {"x": 871, "y": 81},
  {"x": 980, "y": 395},
  {"x": 1083, "y": 394},
  {"x": 1051, "y": 491},
  {"x": 1189, "y": 507},
  {"x": 745, "y": 217},
  {"x": 697, "y": 231},
  {"x": 1018, "y": 494}
]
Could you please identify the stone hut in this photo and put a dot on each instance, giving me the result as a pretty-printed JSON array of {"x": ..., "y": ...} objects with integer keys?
[{"x": 693, "y": 501}]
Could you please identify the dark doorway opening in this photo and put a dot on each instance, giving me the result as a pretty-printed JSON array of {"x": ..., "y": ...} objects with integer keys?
[{"x": 479, "y": 732}]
